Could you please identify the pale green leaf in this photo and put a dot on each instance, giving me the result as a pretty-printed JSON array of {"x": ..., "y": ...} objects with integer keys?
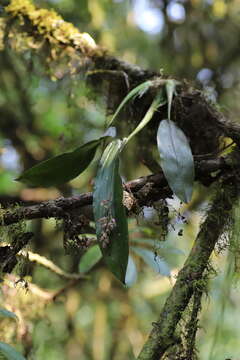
[
  {"x": 153, "y": 260},
  {"x": 9, "y": 352},
  {"x": 170, "y": 89},
  {"x": 62, "y": 168},
  {"x": 90, "y": 258},
  {"x": 109, "y": 212},
  {"x": 131, "y": 274},
  {"x": 137, "y": 91},
  {"x": 110, "y": 132},
  {"x": 158, "y": 101},
  {"x": 176, "y": 159}
]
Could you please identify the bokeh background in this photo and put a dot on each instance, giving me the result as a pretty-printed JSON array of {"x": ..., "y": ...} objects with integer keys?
[{"x": 98, "y": 319}]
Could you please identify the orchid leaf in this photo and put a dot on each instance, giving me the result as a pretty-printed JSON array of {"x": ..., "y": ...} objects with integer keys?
[
  {"x": 137, "y": 91},
  {"x": 170, "y": 89},
  {"x": 61, "y": 168},
  {"x": 109, "y": 212},
  {"x": 131, "y": 274},
  {"x": 158, "y": 101},
  {"x": 176, "y": 159},
  {"x": 153, "y": 260}
]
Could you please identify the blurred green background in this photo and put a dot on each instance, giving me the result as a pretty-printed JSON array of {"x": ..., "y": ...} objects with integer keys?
[{"x": 98, "y": 319}]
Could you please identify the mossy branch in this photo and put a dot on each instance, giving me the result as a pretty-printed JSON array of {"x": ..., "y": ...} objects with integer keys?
[
  {"x": 163, "y": 333},
  {"x": 143, "y": 192},
  {"x": 39, "y": 27}
]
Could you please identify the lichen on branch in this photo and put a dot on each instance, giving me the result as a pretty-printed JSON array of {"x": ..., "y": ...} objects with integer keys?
[
  {"x": 51, "y": 26},
  {"x": 63, "y": 49}
]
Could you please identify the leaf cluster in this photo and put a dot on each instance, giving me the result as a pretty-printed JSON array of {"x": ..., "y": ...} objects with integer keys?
[{"x": 109, "y": 213}]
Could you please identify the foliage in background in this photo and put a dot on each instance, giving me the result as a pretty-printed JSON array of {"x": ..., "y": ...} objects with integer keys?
[{"x": 41, "y": 119}]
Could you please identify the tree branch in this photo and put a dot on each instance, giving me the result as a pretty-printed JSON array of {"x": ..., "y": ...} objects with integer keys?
[{"x": 145, "y": 190}]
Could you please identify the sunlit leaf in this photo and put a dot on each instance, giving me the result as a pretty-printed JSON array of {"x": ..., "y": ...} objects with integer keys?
[
  {"x": 7, "y": 313},
  {"x": 9, "y": 352},
  {"x": 158, "y": 101},
  {"x": 62, "y": 168},
  {"x": 90, "y": 258},
  {"x": 153, "y": 260},
  {"x": 176, "y": 159},
  {"x": 109, "y": 212},
  {"x": 137, "y": 91},
  {"x": 131, "y": 274}
]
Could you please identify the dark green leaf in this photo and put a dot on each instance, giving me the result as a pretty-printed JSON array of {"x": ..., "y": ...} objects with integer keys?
[
  {"x": 9, "y": 352},
  {"x": 153, "y": 260},
  {"x": 62, "y": 168},
  {"x": 8, "y": 314},
  {"x": 176, "y": 159},
  {"x": 109, "y": 212},
  {"x": 131, "y": 274},
  {"x": 90, "y": 258}
]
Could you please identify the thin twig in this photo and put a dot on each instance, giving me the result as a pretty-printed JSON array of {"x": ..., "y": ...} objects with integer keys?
[
  {"x": 41, "y": 260},
  {"x": 47, "y": 295}
]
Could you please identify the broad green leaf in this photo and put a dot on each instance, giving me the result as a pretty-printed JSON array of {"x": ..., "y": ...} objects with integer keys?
[
  {"x": 159, "y": 100},
  {"x": 153, "y": 260},
  {"x": 7, "y": 313},
  {"x": 62, "y": 168},
  {"x": 9, "y": 352},
  {"x": 176, "y": 159},
  {"x": 109, "y": 212},
  {"x": 90, "y": 258},
  {"x": 137, "y": 91},
  {"x": 131, "y": 274}
]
